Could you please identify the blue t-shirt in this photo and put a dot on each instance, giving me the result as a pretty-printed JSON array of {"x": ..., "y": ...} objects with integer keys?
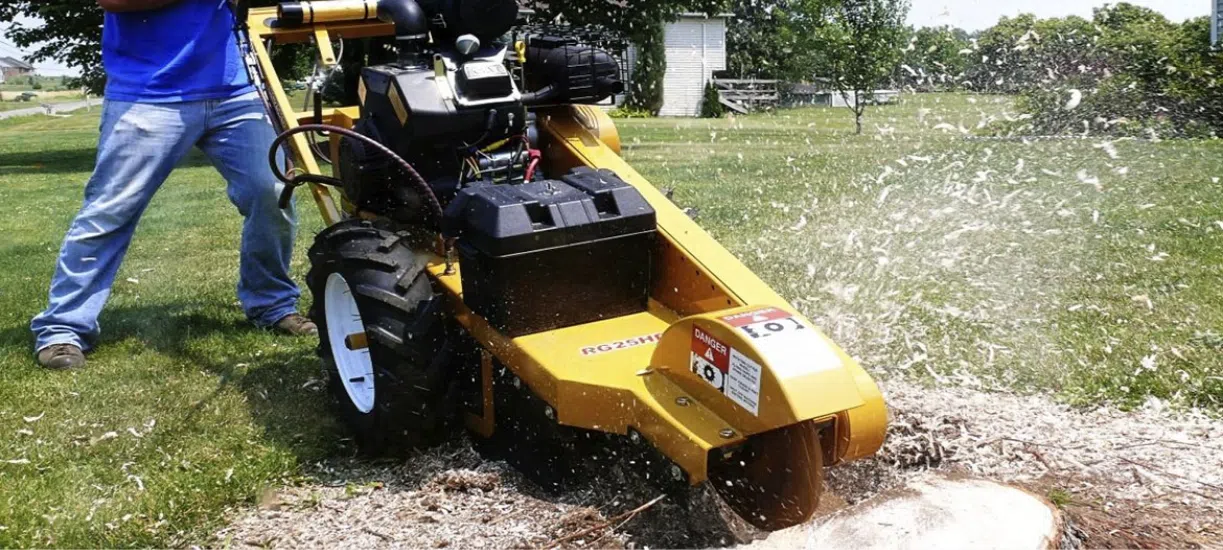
[{"x": 185, "y": 51}]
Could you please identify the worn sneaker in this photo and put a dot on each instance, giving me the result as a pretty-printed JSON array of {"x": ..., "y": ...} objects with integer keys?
[
  {"x": 296, "y": 324},
  {"x": 61, "y": 356}
]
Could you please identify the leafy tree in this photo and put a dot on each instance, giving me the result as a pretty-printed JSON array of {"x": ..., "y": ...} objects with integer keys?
[
  {"x": 72, "y": 34},
  {"x": 933, "y": 59},
  {"x": 775, "y": 39},
  {"x": 1128, "y": 70},
  {"x": 862, "y": 42},
  {"x": 645, "y": 91},
  {"x": 1021, "y": 51}
]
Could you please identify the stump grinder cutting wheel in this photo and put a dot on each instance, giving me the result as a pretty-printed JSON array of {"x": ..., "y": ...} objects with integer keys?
[{"x": 492, "y": 261}]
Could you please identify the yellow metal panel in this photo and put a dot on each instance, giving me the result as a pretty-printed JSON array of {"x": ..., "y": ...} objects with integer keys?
[
  {"x": 261, "y": 20},
  {"x": 816, "y": 394},
  {"x": 336, "y": 116},
  {"x": 302, "y": 157},
  {"x": 595, "y": 376},
  {"x": 597, "y": 122},
  {"x": 484, "y": 423},
  {"x": 864, "y": 427},
  {"x": 322, "y": 40},
  {"x": 329, "y": 11}
]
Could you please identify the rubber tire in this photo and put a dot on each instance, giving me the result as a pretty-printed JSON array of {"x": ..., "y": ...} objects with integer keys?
[{"x": 415, "y": 388}]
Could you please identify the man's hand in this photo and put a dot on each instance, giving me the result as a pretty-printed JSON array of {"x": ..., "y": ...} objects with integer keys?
[{"x": 119, "y": 6}]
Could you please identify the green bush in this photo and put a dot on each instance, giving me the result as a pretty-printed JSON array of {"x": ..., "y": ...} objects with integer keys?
[
  {"x": 1145, "y": 75},
  {"x": 629, "y": 112},
  {"x": 711, "y": 106}
]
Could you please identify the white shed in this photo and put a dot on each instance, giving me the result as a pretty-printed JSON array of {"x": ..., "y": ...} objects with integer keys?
[{"x": 696, "y": 47}]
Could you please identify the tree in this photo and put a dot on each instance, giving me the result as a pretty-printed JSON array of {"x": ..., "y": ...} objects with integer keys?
[
  {"x": 646, "y": 86},
  {"x": 711, "y": 104},
  {"x": 1126, "y": 71},
  {"x": 72, "y": 34},
  {"x": 774, "y": 39},
  {"x": 862, "y": 41},
  {"x": 933, "y": 60},
  {"x": 1023, "y": 51}
]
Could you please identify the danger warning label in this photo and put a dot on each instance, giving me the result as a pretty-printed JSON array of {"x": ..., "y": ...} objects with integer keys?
[
  {"x": 789, "y": 345},
  {"x": 727, "y": 370}
]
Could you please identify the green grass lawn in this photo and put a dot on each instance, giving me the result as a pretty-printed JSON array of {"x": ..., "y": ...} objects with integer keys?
[
  {"x": 1025, "y": 265},
  {"x": 26, "y": 82},
  {"x": 7, "y": 105}
]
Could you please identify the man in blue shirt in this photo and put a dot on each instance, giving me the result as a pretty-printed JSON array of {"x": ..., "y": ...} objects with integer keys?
[{"x": 174, "y": 80}]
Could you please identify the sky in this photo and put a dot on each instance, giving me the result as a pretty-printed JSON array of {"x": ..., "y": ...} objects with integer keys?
[
  {"x": 974, "y": 15},
  {"x": 970, "y": 15}
]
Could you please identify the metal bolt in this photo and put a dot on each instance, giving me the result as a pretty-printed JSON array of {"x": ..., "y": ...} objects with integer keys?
[
  {"x": 677, "y": 473},
  {"x": 727, "y": 433},
  {"x": 517, "y": 382},
  {"x": 682, "y": 401},
  {"x": 548, "y": 412},
  {"x": 634, "y": 436}
]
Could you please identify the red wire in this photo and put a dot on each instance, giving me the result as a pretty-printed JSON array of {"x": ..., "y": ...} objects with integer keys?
[{"x": 535, "y": 155}]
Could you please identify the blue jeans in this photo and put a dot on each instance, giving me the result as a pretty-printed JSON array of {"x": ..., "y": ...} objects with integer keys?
[{"x": 140, "y": 144}]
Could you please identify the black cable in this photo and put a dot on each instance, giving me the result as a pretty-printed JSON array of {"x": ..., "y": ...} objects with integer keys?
[
  {"x": 422, "y": 186},
  {"x": 318, "y": 119}
]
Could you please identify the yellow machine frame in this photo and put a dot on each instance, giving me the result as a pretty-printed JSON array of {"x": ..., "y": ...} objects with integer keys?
[{"x": 629, "y": 373}]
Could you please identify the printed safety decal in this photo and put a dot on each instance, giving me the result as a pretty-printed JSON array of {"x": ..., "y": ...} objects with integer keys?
[
  {"x": 788, "y": 344},
  {"x": 727, "y": 370}
]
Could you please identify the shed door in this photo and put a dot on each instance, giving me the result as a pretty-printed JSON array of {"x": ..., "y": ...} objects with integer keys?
[{"x": 695, "y": 48}]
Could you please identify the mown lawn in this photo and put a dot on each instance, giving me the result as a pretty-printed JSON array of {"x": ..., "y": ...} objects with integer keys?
[
  {"x": 11, "y": 105},
  {"x": 924, "y": 254},
  {"x": 1087, "y": 268}
]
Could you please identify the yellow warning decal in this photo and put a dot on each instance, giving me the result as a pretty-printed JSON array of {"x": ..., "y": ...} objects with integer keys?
[{"x": 401, "y": 112}]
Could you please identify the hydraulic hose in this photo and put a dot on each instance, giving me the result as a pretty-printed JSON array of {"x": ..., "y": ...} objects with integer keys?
[{"x": 414, "y": 177}]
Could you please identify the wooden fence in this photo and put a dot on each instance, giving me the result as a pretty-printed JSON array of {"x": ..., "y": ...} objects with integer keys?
[{"x": 746, "y": 95}]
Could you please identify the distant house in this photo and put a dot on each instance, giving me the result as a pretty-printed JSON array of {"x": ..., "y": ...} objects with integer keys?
[
  {"x": 11, "y": 67},
  {"x": 696, "y": 47}
]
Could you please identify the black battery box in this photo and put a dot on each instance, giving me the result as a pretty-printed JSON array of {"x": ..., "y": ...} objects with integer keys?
[{"x": 553, "y": 253}]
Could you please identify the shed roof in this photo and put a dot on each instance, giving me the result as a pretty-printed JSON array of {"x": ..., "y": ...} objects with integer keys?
[{"x": 15, "y": 63}]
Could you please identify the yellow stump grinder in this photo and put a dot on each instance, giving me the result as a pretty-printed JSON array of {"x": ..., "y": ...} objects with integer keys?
[{"x": 491, "y": 260}]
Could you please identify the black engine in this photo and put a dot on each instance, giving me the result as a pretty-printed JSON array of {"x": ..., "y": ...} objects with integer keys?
[{"x": 456, "y": 108}]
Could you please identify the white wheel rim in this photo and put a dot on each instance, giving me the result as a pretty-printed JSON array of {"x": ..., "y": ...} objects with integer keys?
[{"x": 343, "y": 319}]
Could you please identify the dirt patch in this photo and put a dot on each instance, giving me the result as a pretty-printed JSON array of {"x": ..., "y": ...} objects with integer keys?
[
  {"x": 451, "y": 497},
  {"x": 1151, "y": 478},
  {"x": 1097, "y": 519}
]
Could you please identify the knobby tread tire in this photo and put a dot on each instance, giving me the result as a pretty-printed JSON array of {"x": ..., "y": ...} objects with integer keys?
[{"x": 414, "y": 386}]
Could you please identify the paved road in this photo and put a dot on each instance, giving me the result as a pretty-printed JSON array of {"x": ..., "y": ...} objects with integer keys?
[{"x": 57, "y": 108}]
